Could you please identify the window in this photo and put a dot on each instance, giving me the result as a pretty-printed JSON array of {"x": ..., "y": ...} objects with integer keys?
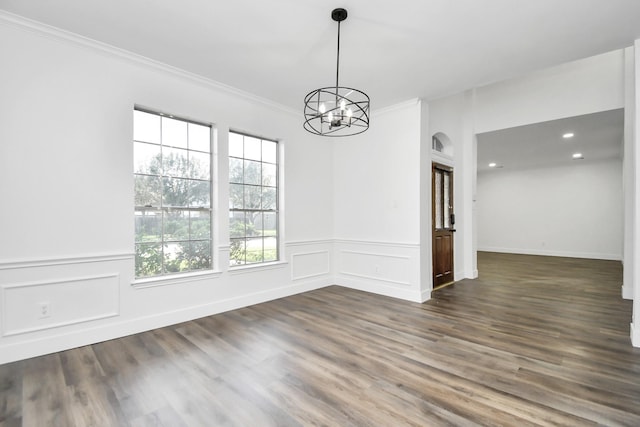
[
  {"x": 436, "y": 144},
  {"x": 253, "y": 199},
  {"x": 172, "y": 174},
  {"x": 442, "y": 188}
]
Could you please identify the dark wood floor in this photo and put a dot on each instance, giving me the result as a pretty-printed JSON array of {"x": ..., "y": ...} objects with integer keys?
[{"x": 533, "y": 341}]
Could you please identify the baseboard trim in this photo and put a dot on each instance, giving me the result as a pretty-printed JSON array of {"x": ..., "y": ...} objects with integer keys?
[
  {"x": 412, "y": 295},
  {"x": 65, "y": 341},
  {"x": 627, "y": 292},
  {"x": 635, "y": 336},
  {"x": 563, "y": 254},
  {"x": 425, "y": 295}
]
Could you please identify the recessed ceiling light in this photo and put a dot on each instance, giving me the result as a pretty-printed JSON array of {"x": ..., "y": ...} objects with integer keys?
[
  {"x": 493, "y": 165},
  {"x": 567, "y": 135},
  {"x": 577, "y": 156}
]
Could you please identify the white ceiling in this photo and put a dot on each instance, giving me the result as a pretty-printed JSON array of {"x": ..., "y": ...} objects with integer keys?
[
  {"x": 393, "y": 50},
  {"x": 597, "y": 136}
]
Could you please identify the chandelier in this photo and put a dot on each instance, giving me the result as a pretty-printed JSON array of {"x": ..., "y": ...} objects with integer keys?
[{"x": 336, "y": 110}]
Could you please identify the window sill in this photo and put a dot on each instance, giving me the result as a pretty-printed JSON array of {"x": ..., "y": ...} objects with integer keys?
[
  {"x": 175, "y": 279},
  {"x": 252, "y": 268}
]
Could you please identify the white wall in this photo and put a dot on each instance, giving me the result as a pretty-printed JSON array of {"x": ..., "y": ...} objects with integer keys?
[
  {"x": 580, "y": 87},
  {"x": 377, "y": 199},
  {"x": 376, "y": 178},
  {"x": 66, "y": 222},
  {"x": 453, "y": 116},
  {"x": 574, "y": 211},
  {"x": 635, "y": 199},
  {"x": 629, "y": 174},
  {"x": 426, "y": 221}
]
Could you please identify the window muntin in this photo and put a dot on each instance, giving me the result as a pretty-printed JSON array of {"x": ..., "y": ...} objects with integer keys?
[
  {"x": 172, "y": 180},
  {"x": 253, "y": 199},
  {"x": 442, "y": 187},
  {"x": 436, "y": 144}
]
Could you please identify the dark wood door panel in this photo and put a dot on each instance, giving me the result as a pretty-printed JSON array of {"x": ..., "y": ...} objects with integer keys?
[
  {"x": 443, "y": 259},
  {"x": 442, "y": 214}
]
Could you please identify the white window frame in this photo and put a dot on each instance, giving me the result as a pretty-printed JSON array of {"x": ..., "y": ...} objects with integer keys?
[
  {"x": 233, "y": 236},
  {"x": 164, "y": 275}
]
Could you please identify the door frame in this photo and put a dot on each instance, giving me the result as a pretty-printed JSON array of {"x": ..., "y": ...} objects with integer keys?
[{"x": 448, "y": 224}]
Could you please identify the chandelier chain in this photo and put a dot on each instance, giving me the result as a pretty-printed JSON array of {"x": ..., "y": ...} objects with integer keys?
[{"x": 338, "y": 61}]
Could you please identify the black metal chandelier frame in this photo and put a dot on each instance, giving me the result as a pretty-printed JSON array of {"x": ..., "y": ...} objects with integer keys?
[{"x": 337, "y": 110}]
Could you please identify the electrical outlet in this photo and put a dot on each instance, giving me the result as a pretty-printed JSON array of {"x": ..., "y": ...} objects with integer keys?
[{"x": 44, "y": 310}]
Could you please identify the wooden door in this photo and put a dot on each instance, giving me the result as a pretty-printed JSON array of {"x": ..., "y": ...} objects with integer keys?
[{"x": 443, "y": 224}]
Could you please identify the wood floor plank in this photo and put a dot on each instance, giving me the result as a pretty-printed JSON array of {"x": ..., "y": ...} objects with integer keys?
[
  {"x": 80, "y": 364},
  {"x": 92, "y": 404},
  {"x": 44, "y": 400},
  {"x": 534, "y": 341},
  {"x": 11, "y": 379},
  {"x": 163, "y": 417}
]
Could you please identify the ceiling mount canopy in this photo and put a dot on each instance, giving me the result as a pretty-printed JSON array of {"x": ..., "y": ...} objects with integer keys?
[{"x": 336, "y": 110}]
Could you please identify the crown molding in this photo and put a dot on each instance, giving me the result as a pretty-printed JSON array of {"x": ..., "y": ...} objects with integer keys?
[
  {"x": 55, "y": 33},
  {"x": 399, "y": 106}
]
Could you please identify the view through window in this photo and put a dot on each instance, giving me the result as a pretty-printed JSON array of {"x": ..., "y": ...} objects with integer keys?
[
  {"x": 253, "y": 199},
  {"x": 172, "y": 174}
]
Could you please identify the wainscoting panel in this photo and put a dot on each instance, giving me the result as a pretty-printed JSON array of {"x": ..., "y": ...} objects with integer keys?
[
  {"x": 389, "y": 268},
  {"x": 29, "y": 307},
  {"x": 305, "y": 265},
  {"x": 385, "y": 268}
]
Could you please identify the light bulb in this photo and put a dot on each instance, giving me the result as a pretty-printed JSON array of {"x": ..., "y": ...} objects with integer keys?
[
  {"x": 343, "y": 104},
  {"x": 330, "y": 116},
  {"x": 322, "y": 108},
  {"x": 349, "y": 115}
]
